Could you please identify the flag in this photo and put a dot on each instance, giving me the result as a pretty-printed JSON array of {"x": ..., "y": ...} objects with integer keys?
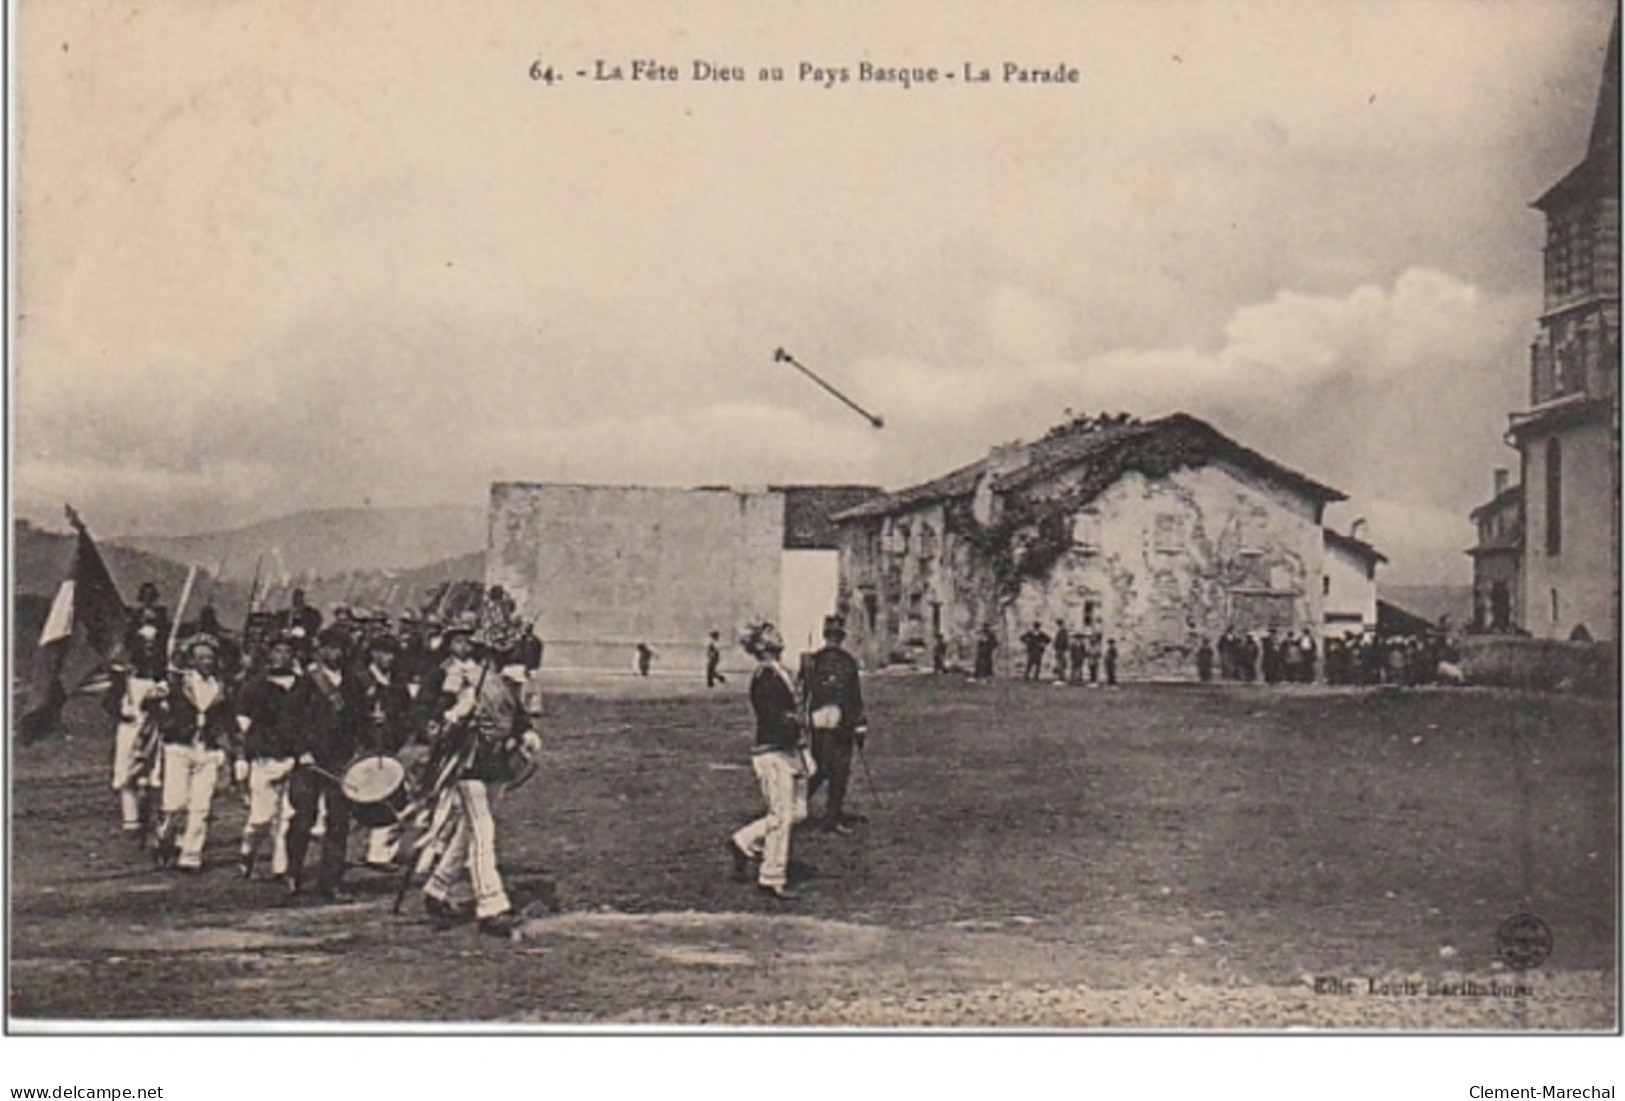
[{"x": 87, "y": 604}]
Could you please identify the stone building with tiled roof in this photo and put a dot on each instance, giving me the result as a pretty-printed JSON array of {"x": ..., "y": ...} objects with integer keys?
[{"x": 1155, "y": 534}]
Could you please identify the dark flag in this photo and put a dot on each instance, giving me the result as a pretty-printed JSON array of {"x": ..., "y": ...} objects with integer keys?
[{"x": 88, "y": 604}]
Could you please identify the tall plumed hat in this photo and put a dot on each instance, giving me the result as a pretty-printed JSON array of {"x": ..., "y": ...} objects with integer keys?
[
  {"x": 499, "y": 628},
  {"x": 761, "y": 638}
]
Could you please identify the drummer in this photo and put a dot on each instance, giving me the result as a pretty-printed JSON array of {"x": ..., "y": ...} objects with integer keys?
[
  {"x": 386, "y": 707},
  {"x": 331, "y": 719}
]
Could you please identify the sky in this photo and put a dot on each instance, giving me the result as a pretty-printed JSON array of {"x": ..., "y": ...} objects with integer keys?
[{"x": 277, "y": 256}]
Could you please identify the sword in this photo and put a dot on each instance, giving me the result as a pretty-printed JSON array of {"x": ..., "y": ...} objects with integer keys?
[
  {"x": 863, "y": 759},
  {"x": 180, "y": 617},
  {"x": 254, "y": 591}
]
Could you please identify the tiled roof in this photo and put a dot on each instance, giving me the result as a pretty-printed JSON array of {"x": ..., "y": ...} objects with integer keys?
[
  {"x": 956, "y": 483},
  {"x": 1354, "y": 546},
  {"x": 809, "y": 512},
  {"x": 1507, "y": 498},
  {"x": 1157, "y": 446}
]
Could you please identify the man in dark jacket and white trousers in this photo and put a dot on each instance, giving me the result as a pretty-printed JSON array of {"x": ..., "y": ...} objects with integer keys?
[
  {"x": 780, "y": 763},
  {"x": 839, "y": 725}
]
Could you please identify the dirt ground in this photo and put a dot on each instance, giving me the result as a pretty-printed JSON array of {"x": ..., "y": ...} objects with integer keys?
[{"x": 1034, "y": 856}]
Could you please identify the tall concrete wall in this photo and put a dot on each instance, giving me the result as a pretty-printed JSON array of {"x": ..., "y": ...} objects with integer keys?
[
  {"x": 811, "y": 578},
  {"x": 602, "y": 568}
]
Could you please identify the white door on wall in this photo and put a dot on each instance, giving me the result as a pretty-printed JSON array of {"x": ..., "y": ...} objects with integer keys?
[{"x": 809, "y": 583}]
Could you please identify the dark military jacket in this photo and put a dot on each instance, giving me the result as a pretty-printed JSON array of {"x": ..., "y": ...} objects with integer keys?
[{"x": 831, "y": 677}]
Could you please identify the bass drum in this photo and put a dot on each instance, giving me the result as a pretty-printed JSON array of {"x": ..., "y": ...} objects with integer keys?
[{"x": 376, "y": 789}]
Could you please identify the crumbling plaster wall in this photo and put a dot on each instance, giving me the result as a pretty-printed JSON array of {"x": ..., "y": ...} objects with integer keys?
[
  {"x": 1177, "y": 559},
  {"x": 1230, "y": 542}
]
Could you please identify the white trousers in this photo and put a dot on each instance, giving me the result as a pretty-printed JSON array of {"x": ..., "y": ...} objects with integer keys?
[
  {"x": 784, "y": 785},
  {"x": 190, "y": 774},
  {"x": 268, "y": 809},
  {"x": 383, "y": 844},
  {"x": 468, "y": 867},
  {"x": 125, "y": 737}
]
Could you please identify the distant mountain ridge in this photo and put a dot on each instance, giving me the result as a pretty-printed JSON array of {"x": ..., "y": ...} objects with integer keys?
[
  {"x": 40, "y": 561},
  {"x": 327, "y": 543}
]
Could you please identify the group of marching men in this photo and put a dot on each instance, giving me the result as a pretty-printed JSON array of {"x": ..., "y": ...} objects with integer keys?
[{"x": 287, "y": 716}]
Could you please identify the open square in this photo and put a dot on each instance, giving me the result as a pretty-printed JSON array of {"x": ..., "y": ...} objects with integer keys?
[{"x": 1151, "y": 857}]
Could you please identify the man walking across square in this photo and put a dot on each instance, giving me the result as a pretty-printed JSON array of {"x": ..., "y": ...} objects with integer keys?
[{"x": 779, "y": 759}]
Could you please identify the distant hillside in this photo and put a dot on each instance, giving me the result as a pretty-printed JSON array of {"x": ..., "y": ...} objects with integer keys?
[
  {"x": 329, "y": 543},
  {"x": 383, "y": 590},
  {"x": 41, "y": 559},
  {"x": 1432, "y": 601}
]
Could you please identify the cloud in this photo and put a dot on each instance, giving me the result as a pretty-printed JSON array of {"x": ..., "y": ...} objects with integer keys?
[
  {"x": 253, "y": 278},
  {"x": 1396, "y": 394},
  {"x": 1023, "y": 326},
  {"x": 1274, "y": 355}
]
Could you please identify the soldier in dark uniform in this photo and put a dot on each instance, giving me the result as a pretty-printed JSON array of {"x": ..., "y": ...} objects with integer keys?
[
  {"x": 835, "y": 712},
  {"x": 301, "y": 622},
  {"x": 331, "y": 728}
]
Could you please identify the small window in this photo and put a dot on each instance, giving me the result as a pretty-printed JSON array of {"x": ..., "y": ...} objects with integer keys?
[
  {"x": 1169, "y": 535},
  {"x": 894, "y": 538},
  {"x": 1326, "y": 585},
  {"x": 1554, "y": 498},
  {"x": 1252, "y": 532},
  {"x": 927, "y": 542},
  {"x": 1086, "y": 530}
]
